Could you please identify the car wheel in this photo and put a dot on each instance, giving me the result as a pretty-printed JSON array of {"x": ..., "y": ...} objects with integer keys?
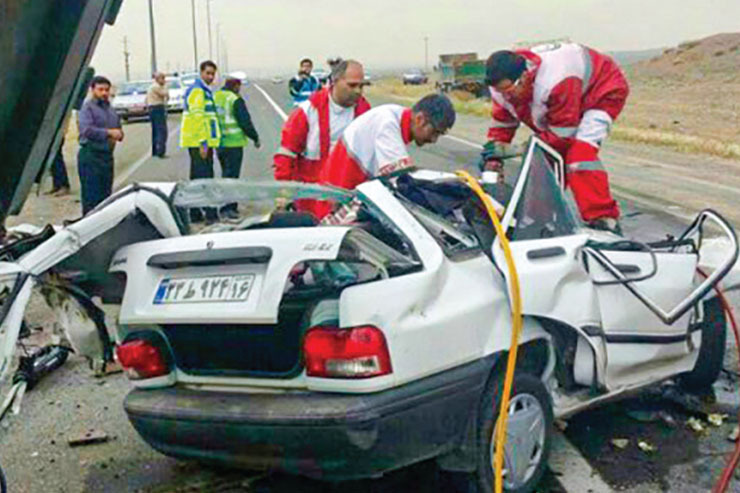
[
  {"x": 712, "y": 350},
  {"x": 528, "y": 434}
]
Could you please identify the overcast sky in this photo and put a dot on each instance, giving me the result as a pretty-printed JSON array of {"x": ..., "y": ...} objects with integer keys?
[{"x": 263, "y": 37}]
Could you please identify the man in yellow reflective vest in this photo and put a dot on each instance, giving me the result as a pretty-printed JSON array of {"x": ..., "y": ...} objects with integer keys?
[
  {"x": 236, "y": 126},
  {"x": 200, "y": 132}
]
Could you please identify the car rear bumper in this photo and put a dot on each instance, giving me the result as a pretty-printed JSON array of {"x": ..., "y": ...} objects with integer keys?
[{"x": 330, "y": 436}]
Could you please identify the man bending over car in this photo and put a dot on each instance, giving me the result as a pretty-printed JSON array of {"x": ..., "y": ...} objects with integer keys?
[
  {"x": 375, "y": 144},
  {"x": 569, "y": 95}
]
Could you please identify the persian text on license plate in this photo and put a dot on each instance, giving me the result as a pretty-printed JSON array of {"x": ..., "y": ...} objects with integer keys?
[{"x": 203, "y": 289}]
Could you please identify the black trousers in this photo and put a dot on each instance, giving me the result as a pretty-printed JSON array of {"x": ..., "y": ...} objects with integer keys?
[
  {"x": 230, "y": 159},
  {"x": 158, "y": 117},
  {"x": 59, "y": 176},
  {"x": 58, "y": 171},
  {"x": 96, "y": 176},
  {"x": 201, "y": 168}
]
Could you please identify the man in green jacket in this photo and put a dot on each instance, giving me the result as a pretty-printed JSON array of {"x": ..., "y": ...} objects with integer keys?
[
  {"x": 236, "y": 126},
  {"x": 200, "y": 132}
]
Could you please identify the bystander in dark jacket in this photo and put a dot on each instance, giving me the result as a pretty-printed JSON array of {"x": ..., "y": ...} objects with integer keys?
[{"x": 100, "y": 130}]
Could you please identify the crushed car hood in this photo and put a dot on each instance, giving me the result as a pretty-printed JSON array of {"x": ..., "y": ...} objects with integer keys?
[{"x": 45, "y": 48}]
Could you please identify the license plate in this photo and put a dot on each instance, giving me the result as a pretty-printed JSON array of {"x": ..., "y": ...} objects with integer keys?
[{"x": 204, "y": 289}]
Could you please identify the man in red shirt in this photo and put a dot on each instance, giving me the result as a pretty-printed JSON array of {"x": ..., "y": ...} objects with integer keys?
[
  {"x": 375, "y": 144},
  {"x": 569, "y": 95},
  {"x": 316, "y": 125}
]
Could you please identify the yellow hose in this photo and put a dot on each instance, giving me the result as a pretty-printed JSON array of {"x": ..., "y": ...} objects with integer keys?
[{"x": 516, "y": 314}]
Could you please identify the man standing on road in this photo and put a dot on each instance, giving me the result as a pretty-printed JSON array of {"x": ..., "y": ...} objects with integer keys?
[
  {"x": 569, "y": 95},
  {"x": 236, "y": 126},
  {"x": 156, "y": 100},
  {"x": 302, "y": 85},
  {"x": 316, "y": 125},
  {"x": 99, "y": 130},
  {"x": 200, "y": 132},
  {"x": 376, "y": 143}
]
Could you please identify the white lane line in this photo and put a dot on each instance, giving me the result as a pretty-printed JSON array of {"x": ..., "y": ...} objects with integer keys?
[
  {"x": 571, "y": 469},
  {"x": 272, "y": 102},
  {"x": 134, "y": 167},
  {"x": 463, "y": 141}
]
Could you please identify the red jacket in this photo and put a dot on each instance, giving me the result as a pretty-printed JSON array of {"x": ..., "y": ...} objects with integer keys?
[
  {"x": 569, "y": 79},
  {"x": 306, "y": 138},
  {"x": 373, "y": 145}
]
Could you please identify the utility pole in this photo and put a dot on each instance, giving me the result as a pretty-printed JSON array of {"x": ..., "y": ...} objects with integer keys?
[
  {"x": 218, "y": 46},
  {"x": 210, "y": 45},
  {"x": 151, "y": 34},
  {"x": 426, "y": 53},
  {"x": 126, "y": 54},
  {"x": 195, "y": 38}
]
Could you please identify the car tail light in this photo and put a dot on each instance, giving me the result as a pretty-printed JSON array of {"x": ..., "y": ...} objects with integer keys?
[
  {"x": 358, "y": 352},
  {"x": 142, "y": 359}
]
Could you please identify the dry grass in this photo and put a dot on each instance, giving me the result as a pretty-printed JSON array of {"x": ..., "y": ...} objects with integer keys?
[
  {"x": 697, "y": 118},
  {"x": 676, "y": 141}
]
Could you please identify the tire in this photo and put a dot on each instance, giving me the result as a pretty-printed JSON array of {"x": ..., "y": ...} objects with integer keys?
[
  {"x": 528, "y": 395},
  {"x": 711, "y": 352}
]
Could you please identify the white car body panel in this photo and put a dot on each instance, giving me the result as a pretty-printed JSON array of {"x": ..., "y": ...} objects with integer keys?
[
  {"x": 69, "y": 241},
  {"x": 289, "y": 246}
]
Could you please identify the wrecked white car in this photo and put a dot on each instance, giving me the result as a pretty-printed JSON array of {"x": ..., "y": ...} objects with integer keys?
[{"x": 274, "y": 342}]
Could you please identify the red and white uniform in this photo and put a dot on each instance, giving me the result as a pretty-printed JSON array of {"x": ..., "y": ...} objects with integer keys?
[
  {"x": 576, "y": 96},
  {"x": 309, "y": 134},
  {"x": 372, "y": 145}
]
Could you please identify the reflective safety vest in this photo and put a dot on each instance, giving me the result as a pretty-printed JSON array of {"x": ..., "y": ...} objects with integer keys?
[
  {"x": 231, "y": 133},
  {"x": 199, "y": 119}
]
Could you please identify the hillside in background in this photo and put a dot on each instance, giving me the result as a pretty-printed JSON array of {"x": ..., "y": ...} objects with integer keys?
[
  {"x": 716, "y": 57},
  {"x": 687, "y": 97},
  {"x": 625, "y": 58}
]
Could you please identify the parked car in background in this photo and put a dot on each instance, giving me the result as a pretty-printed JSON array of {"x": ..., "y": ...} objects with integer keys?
[
  {"x": 188, "y": 79},
  {"x": 177, "y": 94},
  {"x": 130, "y": 100},
  {"x": 368, "y": 78},
  {"x": 277, "y": 80},
  {"x": 414, "y": 77},
  {"x": 322, "y": 75}
]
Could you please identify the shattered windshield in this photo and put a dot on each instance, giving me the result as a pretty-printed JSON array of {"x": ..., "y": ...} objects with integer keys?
[{"x": 257, "y": 194}]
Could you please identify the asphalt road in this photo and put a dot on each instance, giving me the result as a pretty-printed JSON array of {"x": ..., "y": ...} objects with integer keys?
[{"x": 33, "y": 446}]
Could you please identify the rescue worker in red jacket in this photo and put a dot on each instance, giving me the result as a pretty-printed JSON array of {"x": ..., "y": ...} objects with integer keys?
[
  {"x": 569, "y": 95},
  {"x": 316, "y": 125},
  {"x": 376, "y": 143}
]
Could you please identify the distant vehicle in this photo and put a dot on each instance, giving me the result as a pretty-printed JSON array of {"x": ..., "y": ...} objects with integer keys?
[
  {"x": 277, "y": 80},
  {"x": 322, "y": 75},
  {"x": 130, "y": 100},
  {"x": 176, "y": 103},
  {"x": 415, "y": 77},
  {"x": 188, "y": 79},
  {"x": 463, "y": 71},
  {"x": 368, "y": 78}
]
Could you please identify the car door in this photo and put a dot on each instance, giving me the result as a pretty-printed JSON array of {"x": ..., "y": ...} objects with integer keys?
[
  {"x": 546, "y": 243},
  {"x": 560, "y": 280}
]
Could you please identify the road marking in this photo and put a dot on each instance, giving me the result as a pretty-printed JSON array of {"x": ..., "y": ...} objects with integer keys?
[
  {"x": 573, "y": 472},
  {"x": 463, "y": 141},
  {"x": 134, "y": 167},
  {"x": 272, "y": 102}
]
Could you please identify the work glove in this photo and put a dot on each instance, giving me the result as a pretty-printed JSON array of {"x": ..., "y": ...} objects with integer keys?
[{"x": 494, "y": 153}]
